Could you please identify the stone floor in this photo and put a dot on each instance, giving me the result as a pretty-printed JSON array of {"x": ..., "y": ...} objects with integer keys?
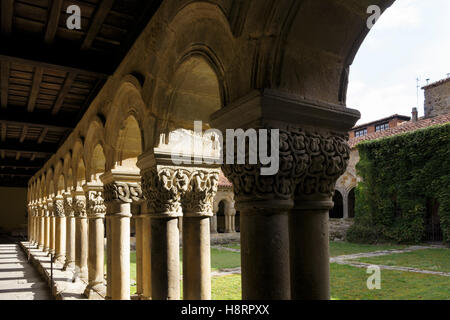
[{"x": 18, "y": 279}]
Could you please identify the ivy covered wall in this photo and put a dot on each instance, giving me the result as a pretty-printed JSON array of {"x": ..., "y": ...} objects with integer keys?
[{"x": 401, "y": 176}]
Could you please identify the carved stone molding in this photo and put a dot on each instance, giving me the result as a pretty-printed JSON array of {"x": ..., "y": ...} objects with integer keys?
[
  {"x": 59, "y": 207},
  {"x": 68, "y": 209},
  {"x": 162, "y": 190},
  {"x": 79, "y": 206},
  {"x": 170, "y": 191},
  {"x": 310, "y": 162},
  {"x": 95, "y": 204},
  {"x": 198, "y": 199},
  {"x": 126, "y": 192}
]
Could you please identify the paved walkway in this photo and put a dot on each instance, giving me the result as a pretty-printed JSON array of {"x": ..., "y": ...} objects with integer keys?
[{"x": 18, "y": 279}]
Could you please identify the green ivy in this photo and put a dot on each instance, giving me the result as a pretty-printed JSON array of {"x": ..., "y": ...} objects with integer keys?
[{"x": 399, "y": 175}]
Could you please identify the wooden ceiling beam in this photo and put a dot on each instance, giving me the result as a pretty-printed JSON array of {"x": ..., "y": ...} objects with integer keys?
[
  {"x": 37, "y": 120},
  {"x": 42, "y": 136},
  {"x": 53, "y": 21},
  {"x": 22, "y": 163},
  {"x": 23, "y": 134},
  {"x": 3, "y": 134},
  {"x": 97, "y": 21},
  {"x": 37, "y": 78},
  {"x": 64, "y": 91},
  {"x": 7, "y": 7},
  {"x": 4, "y": 84},
  {"x": 45, "y": 65}
]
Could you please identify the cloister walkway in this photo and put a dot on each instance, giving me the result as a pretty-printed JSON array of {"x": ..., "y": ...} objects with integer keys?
[{"x": 18, "y": 279}]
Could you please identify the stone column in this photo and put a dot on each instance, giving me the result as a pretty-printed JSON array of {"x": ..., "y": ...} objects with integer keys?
[
  {"x": 70, "y": 232},
  {"x": 162, "y": 188},
  {"x": 266, "y": 199},
  {"x": 328, "y": 155},
  {"x": 41, "y": 218},
  {"x": 138, "y": 235},
  {"x": 96, "y": 213},
  {"x": 197, "y": 202},
  {"x": 120, "y": 190},
  {"x": 81, "y": 234},
  {"x": 60, "y": 236},
  {"x": 46, "y": 226},
  {"x": 213, "y": 224},
  {"x": 51, "y": 214},
  {"x": 345, "y": 204},
  {"x": 146, "y": 254}
]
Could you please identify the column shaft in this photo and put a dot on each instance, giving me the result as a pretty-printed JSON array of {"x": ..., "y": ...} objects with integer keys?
[
  {"x": 70, "y": 242},
  {"x": 138, "y": 235},
  {"x": 42, "y": 232},
  {"x": 52, "y": 234},
  {"x": 309, "y": 253},
  {"x": 264, "y": 253},
  {"x": 60, "y": 242},
  {"x": 197, "y": 258},
  {"x": 46, "y": 233},
  {"x": 165, "y": 250},
  {"x": 121, "y": 251},
  {"x": 109, "y": 249},
  {"x": 96, "y": 258},
  {"x": 146, "y": 259}
]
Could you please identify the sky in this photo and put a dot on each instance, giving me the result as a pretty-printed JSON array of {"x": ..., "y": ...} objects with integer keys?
[{"x": 410, "y": 40}]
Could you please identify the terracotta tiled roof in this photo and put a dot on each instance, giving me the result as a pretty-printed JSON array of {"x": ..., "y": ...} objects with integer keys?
[
  {"x": 398, "y": 116},
  {"x": 437, "y": 83},
  {"x": 402, "y": 128},
  {"x": 223, "y": 181}
]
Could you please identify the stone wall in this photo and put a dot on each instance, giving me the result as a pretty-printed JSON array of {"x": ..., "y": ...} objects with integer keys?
[
  {"x": 437, "y": 98},
  {"x": 338, "y": 228}
]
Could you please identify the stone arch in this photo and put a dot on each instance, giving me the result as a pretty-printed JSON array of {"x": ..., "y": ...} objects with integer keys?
[
  {"x": 59, "y": 178},
  {"x": 49, "y": 184},
  {"x": 67, "y": 171},
  {"x": 94, "y": 150},
  {"x": 128, "y": 112},
  {"x": 197, "y": 30},
  {"x": 78, "y": 167}
]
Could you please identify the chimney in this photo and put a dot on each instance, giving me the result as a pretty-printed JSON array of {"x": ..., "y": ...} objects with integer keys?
[{"x": 414, "y": 117}]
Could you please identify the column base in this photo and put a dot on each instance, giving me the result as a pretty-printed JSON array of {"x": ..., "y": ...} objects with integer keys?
[
  {"x": 61, "y": 259},
  {"x": 95, "y": 291}
]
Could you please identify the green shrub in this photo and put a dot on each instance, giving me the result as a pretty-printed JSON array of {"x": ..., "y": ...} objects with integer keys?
[{"x": 400, "y": 175}]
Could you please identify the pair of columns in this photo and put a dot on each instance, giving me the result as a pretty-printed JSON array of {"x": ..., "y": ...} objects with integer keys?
[
  {"x": 284, "y": 216},
  {"x": 171, "y": 192}
]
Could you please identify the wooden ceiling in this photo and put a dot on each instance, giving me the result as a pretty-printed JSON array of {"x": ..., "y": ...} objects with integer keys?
[{"x": 50, "y": 74}]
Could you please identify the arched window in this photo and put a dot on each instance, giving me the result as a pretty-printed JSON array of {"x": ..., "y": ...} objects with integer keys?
[{"x": 338, "y": 209}]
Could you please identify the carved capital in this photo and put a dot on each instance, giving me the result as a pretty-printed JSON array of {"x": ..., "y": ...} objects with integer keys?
[
  {"x": 59, "y": 207},
  {"x": 163, "y": 188},
  {"x": 79, "y": 206},
  {"x": 328, "y": 156},
  {"x": 198, "y": 199},
  {"x": 95, "y": 204},
  {"x": 68, "y": 208},
  {"x": 123, "y": 192}
]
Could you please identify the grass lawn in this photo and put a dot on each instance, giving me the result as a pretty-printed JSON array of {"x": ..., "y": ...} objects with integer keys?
[
  {"x": 428, "y": 259},
  {"x": 339, "y": 248},
  {"x": 347, "y": 282}
]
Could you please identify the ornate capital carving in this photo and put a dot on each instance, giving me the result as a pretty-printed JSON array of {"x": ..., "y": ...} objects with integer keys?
[
  {"x": 328, "y": 156},
  {"x": 163, "y": 188},
  {"x": 79, "y": 206},
  {"x": 95, "y": 204},
  {"x": 122, "y": 191},
  {"x": 198, "y": 199},
  {"x": 310, "y": 162},
  {"x": 68, "y": 209},
  {"x": 59, "y": 208}
]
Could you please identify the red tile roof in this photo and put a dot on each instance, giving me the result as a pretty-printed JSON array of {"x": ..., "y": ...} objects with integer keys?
[
  {"x": 437, "y": 83},
  {"x": 402, "y": 128}
]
